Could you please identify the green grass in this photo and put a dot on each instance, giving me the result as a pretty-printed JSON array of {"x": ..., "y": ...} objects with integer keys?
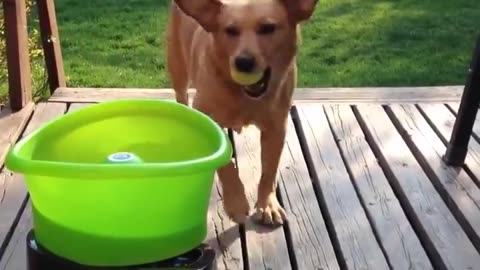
[
  {"x": 389, "y": 43},
  {"x": 114, "y": 43},
  {"x": 120, "y": 43}
]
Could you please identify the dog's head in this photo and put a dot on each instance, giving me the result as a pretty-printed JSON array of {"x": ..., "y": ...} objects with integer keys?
[{"x": 258, "y": 38}]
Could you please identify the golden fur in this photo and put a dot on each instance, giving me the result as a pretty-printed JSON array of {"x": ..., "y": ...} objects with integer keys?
[{"x": 205, "y": 37}]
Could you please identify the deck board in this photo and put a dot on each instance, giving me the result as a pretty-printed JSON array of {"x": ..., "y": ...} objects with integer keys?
[
  {"x": 435, "y": 224},
  {"x": 311, "y": 243},
  {"x": 15, "y": 257},
  {"x": 325, "y": 95},
  {"x": 458, "y": 190},
  {"x": 266, "y": 247},
  {"x": 77, "y": 106},
  {"x": 356, "y": 239},
  {"x": 223, "y": 234},
  {"x": 443, "y": 120},
  {"x": 11, "y": 127},
  {"x": 453, "y": 106},
  {"x": 14, "y": 188},
  {"x": 13, "y": 201},
  {"x": 364, "y": 185},
  {"x": 395, "y": 233}
]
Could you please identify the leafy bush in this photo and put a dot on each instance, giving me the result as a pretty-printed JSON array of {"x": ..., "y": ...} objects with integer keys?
[{"x": 39, "y": 85}]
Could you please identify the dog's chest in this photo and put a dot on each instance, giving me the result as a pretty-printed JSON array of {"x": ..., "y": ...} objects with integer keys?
[
  {"x": 236, "y": 115},
  {"x": 236, "y": 119}
]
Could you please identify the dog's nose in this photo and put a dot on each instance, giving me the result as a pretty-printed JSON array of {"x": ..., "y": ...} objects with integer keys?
[{"x": 245, "y": 63}]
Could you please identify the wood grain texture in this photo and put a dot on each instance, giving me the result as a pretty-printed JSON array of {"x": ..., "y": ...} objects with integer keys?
[
  {"x": 267, "y": 247},
  {"x": 77, "y": 106},
  {"x": 51, "y": 44},
  {"x": 324, "y": 95},
  {"x": 14, "y": 188},
  {"x": 453, "y": 106},
  {"x": 311, "y": 243},
  {"x": 11, "y": 127},
  {"x": 353, "y": 231},
  {"x": 458, "y": 190},
  {"x": 440, "y": 117},
  {"x": 395, "y": 233},
  {"x": 15, "y": 256},
  {"x": 13, "y": 191},
  {"x": 443, "y": 121},
  {"x": 89, "y": 95},
  {"x": 18, "y": 60},
  {"x": 444, "y": 239},
  {"x": 45, "y": 112},
  {"x": 223, "y": 234}
]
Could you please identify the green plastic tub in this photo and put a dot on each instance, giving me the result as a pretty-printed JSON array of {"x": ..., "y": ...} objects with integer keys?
[{"x": 93, "y": 210}]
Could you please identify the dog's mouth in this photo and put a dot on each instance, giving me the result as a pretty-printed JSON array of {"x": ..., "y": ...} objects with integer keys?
[{"x": 259, "y": 88}]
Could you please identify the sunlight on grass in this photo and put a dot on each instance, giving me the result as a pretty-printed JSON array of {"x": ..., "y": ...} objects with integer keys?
[
  {"x": 388, "y": 43},
  {"x": 120, "y": 43},
  {"x": 115, "y": 43}
]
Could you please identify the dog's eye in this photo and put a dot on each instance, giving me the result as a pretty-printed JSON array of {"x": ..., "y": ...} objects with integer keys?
[
  {"x": 232, "y": 31},
  {"x": 266, "y": 29}
]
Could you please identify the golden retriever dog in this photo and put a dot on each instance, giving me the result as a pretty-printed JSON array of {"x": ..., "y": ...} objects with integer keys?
[{"x": 240, "y": 56}]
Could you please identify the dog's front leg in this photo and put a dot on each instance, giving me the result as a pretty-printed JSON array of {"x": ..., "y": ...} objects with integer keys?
[
  {"x": 268, "y": 209},
  {"x": 234, "y": 199}
]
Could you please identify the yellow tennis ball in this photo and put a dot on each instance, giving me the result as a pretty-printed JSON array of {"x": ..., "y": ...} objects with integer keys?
[{"x": 245, "y": 78}]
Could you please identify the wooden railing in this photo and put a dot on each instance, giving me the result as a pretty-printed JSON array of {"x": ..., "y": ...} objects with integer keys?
[{"x": 18, "y": 62}]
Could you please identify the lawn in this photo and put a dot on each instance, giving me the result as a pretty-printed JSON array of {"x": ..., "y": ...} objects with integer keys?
[{"x": 120, "y": 43}]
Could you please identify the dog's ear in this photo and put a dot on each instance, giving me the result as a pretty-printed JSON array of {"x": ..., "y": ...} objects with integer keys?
[
  {"x": 300, "y": 10},
  {"x": 205, "y": 12}
]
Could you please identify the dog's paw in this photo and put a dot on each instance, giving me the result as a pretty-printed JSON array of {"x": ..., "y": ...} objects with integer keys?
[
  {"x": 269, "y": 211},
  {"x": 236, "y": 206}
]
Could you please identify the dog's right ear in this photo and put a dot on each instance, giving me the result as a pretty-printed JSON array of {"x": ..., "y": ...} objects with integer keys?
[
  {"x": 205, "y": 12},
  {"x": 300, "y": 10}
]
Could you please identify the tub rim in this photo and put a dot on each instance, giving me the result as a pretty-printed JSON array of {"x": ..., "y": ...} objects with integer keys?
[{"x": 218, "y": 158}]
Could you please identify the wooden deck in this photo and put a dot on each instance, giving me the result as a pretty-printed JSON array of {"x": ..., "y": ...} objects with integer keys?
[{"x": 361, "y": 178}]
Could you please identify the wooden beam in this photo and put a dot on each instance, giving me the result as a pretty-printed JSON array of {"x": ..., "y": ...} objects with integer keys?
[
  {"x": 383, "y": 95},
  {"x": 51, "y": 44},
  {"x": 18, "y": 62}
]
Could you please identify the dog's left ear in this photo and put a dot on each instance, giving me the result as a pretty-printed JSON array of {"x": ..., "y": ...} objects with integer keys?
[
  {"x": 300, "y": 10},
  {"x": 205, "y": 12}
]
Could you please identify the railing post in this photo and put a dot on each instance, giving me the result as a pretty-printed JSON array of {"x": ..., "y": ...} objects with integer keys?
[
  {"x": 18, "y": 61},
  {"x": 51, "y": 44},
  {"x": 467, "y": 112}
]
